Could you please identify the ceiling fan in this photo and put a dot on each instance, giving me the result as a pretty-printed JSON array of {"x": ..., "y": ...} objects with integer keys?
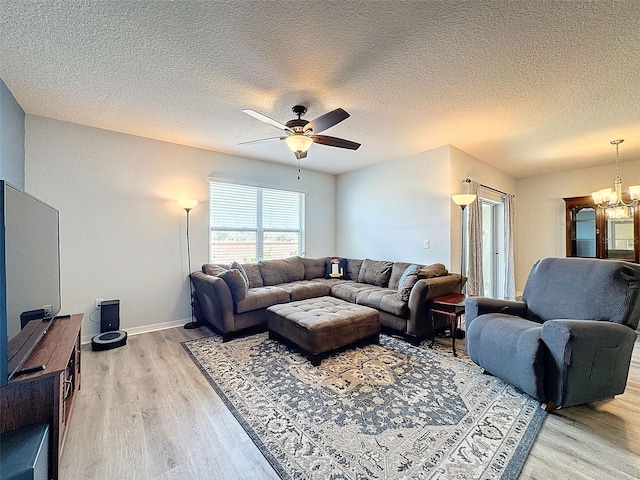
[{"x": 302, "y": 133}]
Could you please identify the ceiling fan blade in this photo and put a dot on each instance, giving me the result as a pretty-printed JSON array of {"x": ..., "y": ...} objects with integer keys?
[
  {"x": 265, "y": 119},
  {"x": 262, "y": 140},
  {"x": 335, "y": 142},
  {"x": 327, "y": 120}
]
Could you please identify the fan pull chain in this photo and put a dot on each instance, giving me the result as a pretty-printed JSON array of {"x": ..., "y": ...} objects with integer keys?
[{"x": 298, "y": 168}]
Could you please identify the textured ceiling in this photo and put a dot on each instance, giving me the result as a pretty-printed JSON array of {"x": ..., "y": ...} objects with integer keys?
[{"x": 527, "y": 86}]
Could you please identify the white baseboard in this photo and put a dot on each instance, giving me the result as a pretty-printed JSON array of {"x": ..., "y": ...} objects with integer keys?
[{"x": 154, "y": 327}]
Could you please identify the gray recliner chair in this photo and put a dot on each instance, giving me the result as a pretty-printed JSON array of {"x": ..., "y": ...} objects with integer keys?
[{"x": 569, "y": 341}]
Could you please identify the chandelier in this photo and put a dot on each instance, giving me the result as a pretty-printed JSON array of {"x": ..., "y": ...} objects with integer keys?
[{"x": 610, "y": 199}]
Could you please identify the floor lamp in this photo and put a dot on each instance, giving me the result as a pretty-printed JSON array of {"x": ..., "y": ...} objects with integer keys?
[
  {"x": 462, "y": 200},
  {"x": 187, "y": 206}
]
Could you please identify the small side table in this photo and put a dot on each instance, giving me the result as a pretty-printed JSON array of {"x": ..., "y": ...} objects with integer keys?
[{"x": 452, "y": 306}]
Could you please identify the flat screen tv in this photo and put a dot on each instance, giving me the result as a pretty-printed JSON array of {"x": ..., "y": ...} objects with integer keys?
[{"x": 30, "y": 274}]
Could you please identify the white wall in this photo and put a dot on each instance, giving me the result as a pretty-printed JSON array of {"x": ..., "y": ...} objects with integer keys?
[
  {"x": 387, "y": 211},
  {"x": 122, "y": 232},
  {"x": 465, "y": 166},
  {"x": 540, "y": 210}
]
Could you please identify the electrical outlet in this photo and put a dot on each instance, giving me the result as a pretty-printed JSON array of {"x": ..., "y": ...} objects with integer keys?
[
  {"x": 48, "y": 310},
  {"x": 98, "y": 301},
  {"x": 427, "y": 244}
]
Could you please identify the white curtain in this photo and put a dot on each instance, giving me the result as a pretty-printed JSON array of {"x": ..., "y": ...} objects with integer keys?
[
  {"x": 475, "y": 284},
  {"x": 509, "y": 256}
]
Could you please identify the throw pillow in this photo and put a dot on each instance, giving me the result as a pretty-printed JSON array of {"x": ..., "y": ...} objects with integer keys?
[
  {"x": 253, "y": 273},
  {"x": 407, "y": 281},
  {"x": 236, "y": 284},
  {"x": 375, "y": 272},
  {"x": 239, "y": 267},
  {"x": 213, "y": 269},
  {"x": 353, "y": 268},
  {"x": 335, "y": 267},
  {"x": 431, "y": 271},
  {"x": 313, "y": 268}
]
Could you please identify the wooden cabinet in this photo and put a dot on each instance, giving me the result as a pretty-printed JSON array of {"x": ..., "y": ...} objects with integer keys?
[
  {"x": 48, "y": 395},
  {"x": 592, "y": 233}
]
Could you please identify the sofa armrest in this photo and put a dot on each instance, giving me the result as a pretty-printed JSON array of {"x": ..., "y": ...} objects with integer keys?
[
  {"x": 419, "y": 303},
  {"x": 586, "y": 360},
  {"x": 216, "y": 303},
  {"x": 476, "y": 306}
]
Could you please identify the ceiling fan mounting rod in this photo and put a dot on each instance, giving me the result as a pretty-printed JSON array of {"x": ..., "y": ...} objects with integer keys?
[{"x": 299, "y": 110}]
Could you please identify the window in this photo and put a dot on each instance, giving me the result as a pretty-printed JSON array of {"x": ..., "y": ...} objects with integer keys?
[{"x": 252, "y": 223}]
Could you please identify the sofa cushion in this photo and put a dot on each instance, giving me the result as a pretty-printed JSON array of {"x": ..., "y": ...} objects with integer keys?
[
  {"x": 383, "y": 299},
  {"x": 304, "y": 289},
  {"x": 407, "y": 281},
  {"x": 237, "y": 266},
  {"x": 340, "y": 269},
  {"x": 236, "y": 283},
  {"x": 313, "y": 268},
  {"x": 348, "y": 289},
  {"x": 353, "y": 269},
  {"x": 398, "y": 269},
  {"x": 375, "y": 272},
  {"x": 283, "y": 270},
  {"x": 262, "y": 297},
  {"x": 330, "y": 281},
  {"x": 253, "y": 274},
  {"x": 213, "y": 269}
]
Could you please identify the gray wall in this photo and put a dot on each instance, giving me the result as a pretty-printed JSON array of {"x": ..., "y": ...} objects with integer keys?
[
  {"x": 11, "y": 138},
  {"x": 122, "y": 231}
]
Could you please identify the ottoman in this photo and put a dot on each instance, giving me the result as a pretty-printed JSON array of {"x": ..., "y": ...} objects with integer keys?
[{"x": 320, "y": 325}]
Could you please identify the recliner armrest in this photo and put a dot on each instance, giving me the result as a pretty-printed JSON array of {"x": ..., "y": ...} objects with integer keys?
[
  {"x": 476, "y": 306},
  {"x": 587, "y": 360}
]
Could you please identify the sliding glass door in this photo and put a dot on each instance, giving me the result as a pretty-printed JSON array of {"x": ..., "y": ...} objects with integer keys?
[{"x": 492, "y": 211}]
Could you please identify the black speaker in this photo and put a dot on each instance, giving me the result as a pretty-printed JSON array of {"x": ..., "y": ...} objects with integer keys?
[{"x": 109, "y": 316}]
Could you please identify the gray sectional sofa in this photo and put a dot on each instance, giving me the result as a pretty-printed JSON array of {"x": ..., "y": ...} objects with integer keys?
[{"x": 235, "y": 297}]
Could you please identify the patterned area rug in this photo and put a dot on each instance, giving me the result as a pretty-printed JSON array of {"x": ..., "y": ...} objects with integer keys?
[{"x": 387, "y": 411}]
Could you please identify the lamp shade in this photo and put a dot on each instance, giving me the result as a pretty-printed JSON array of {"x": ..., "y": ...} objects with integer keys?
[
  {"x": 463, "y": 199},
  {"x": 187, "y": 204},
  {"x": 597, "y": 197},
  {"x": 606, "y": 194},
  {"x": 298, "y": 142}
]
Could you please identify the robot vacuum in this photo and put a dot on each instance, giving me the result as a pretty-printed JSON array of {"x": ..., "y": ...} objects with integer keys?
[{"x": 109, "y": 340}]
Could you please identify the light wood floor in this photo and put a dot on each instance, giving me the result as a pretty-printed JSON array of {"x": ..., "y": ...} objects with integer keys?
[{"x": 145, "y": 412}]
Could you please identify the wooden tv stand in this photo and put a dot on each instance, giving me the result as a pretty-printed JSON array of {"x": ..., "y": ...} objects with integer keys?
[{"x": 46, "y": 396}]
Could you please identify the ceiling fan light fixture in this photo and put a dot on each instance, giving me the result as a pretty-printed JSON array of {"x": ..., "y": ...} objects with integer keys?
[{"x": 298, "y": 142}]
